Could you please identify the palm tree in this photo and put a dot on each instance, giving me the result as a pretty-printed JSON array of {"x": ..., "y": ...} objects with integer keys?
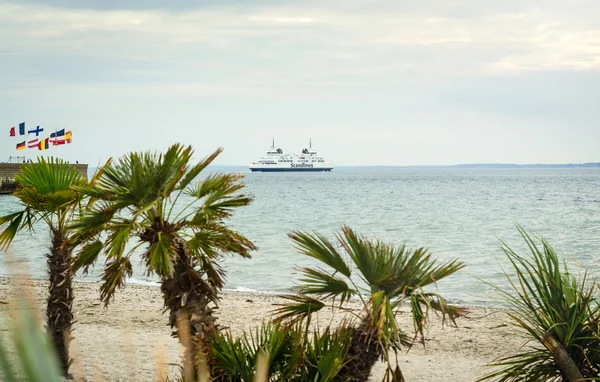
[
  {"x": 558, "y": 313},
  {"x": 45, "y": 193},
  {"x": 178, "y": 225},
  {"x": 384, "y": 277}
]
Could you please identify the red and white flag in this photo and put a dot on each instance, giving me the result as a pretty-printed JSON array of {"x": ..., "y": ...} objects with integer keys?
[{"x": 32, "y": 143}]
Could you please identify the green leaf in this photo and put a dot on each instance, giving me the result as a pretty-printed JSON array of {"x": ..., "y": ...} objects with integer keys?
[
  {"x": 115, "y": 274},
  {"x": 324, "y": 285},
  {"x": 320, "y": 248},
  {"x": 119, "y": 235},
  {"x": 373, "y": 260},
  {"x": 326, "y": 354},
  {"x": 197, "y": 169},
  {"x": 87, "y": 255},
  {"x": 7, "y": 236},
  {"x": 160, "y": 255},
  {"x": 301, "y": 307}
]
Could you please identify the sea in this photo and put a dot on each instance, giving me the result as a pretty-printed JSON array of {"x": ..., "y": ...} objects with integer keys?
[{"x": 462, "y": 213}]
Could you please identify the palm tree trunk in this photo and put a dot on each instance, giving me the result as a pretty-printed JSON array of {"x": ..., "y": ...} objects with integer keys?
[
  {"x": 563, "y": 360},
  {"x": 362, "y": 356},
  {"x": 187, "y": 297},
  {"x": 59, "y": 312}
]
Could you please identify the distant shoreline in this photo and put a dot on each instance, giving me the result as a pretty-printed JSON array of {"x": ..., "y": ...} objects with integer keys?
[{"x": 489, "y": 166}]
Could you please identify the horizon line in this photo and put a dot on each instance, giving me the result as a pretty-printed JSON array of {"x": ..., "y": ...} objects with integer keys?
[{"x": 461, "y": 165}]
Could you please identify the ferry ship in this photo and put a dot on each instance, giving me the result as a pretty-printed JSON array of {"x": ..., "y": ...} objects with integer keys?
[{"x": 276, "y": 160}]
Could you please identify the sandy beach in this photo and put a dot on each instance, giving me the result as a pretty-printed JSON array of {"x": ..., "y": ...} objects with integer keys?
[{"x": 124, "y": 341}]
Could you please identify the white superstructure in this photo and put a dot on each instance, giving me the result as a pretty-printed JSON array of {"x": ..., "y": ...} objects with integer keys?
[{"x": 277, "y": 160}]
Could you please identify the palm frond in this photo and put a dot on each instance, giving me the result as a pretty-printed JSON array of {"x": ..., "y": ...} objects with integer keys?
[
  {"x": 300, "y": 308},
  {"x": 114, "y": 276},
  {"x": 419, "y": 269},
  {"x": 326, "y": 354},
  {"x": 160, "y": 255},
  {"x": 372, "y": 259},
  {"x": 216, "y": 239},
  {"x": 320, "y": 248},
  {"x": 15, "y": 221},
  {"x": 282, "y": 347},
  {"x": 208, "y": 261},
  {"x": 197, "y": 169},
  {"x": 49, "y": 176},
  {"x": 87, "y": 255},
  {"x": 237, "y": 359},
  {"x": 316, "y": 282},
  {"x": 93, "y": 221},
  {"x": 231, "y": 359},
  {"x": 141, "y": 179},
  {"x": 174, "y": 167},
  {"x": 531, "y": 365},
  {"x": 118, "y": 235},
  {"x": 381, "y": 320},
  {"x": 219, "y": 195}
]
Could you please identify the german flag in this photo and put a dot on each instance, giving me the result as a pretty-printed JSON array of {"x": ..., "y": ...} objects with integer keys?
[
  {"x": 21, "y": 146},
  {"x": 44, "y": 144}
]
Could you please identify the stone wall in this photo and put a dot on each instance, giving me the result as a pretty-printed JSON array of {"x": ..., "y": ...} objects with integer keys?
[{"x": 9, "y": 170}]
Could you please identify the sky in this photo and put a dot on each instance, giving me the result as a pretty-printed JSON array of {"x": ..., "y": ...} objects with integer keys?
[{"x": 370, "y": 82}]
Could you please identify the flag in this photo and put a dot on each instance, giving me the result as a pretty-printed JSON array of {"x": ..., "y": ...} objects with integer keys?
[
  {"x": 32, "y": 143},
  {"x": 22, "y": 128},
  {"x": 59, "y": 133},
  {"x": 21, "y": 146},
  {"x": 12, "y": 132},
  {"x": 36, "y": 131},
  {"x": 44, "y": 144},
  {"x": 64, "y": 139},
  {"x": 59, "y": 142}
]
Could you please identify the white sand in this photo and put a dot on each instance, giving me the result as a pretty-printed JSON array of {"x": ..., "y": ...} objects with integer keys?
[{"x": 123, "y": 342}]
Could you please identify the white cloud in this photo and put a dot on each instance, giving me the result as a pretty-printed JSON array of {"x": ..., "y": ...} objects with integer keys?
[
  {"x": 378, "y": 69},
  {"x": 550, "y": 44}
]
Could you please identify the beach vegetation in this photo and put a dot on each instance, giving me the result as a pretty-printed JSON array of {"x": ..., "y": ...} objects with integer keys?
[
  {"x": 382, "y": 277},
  {"x": 152, "y": 204},
  {"x": 280, "y": 353},
  {"x": 45, "y": 193},
  {"x": 556, "y": 310}
]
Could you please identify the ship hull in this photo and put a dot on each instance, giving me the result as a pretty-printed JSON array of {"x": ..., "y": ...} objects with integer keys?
[{"x": 288, "y": 169}]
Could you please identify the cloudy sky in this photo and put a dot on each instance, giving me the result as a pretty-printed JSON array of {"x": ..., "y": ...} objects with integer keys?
[{"x": 371, "y": 82}]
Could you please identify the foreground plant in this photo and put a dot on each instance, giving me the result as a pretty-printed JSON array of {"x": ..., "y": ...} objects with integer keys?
[
  {"x": 137, "y": 202},
  {"x": 385, "y": 276},
  {"x": 280, "y": 353},
  {"x": 35, "y": 359},
  {"x": 558, "y": 312},
  {"x": 46, "y": 195}
]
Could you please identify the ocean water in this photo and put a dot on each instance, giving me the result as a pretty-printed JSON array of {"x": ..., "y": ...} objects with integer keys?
[{"x": 455, "y": 213}]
